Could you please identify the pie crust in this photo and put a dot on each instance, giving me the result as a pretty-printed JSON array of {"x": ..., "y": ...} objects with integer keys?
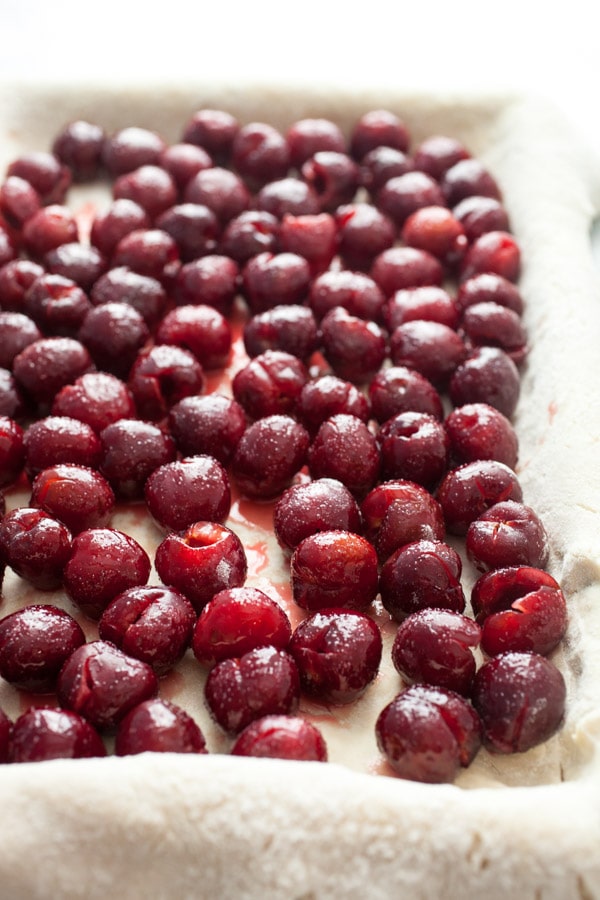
[{"x": 163, "y": 825}]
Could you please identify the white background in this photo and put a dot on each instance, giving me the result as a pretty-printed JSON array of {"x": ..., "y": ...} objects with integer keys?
[{"x": 543, "y": 47}]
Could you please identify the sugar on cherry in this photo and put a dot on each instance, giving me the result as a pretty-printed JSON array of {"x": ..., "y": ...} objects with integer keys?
[
  {"x": 281, "y": 737},
  {"x": 488, "y": 375},
  {"x": 35, "y": 545},
  {"x": 143, "y": 293},
  {"x": 520, "y": 698},
  {"x": 60, "y": 439},
  {"x": 489, "y": 287},
  {"x": 162, "y": 375},
  {"x": 466, "y": 178},
  {"x": 477, "y": 215},
  {"x": 184, "y": 160},
  {"x": 132, "y": 450},
  {"x": 468, "y": 491},
  {"x": 287, "y": 196},
  {"x": 398, "y": 389},
  {"x": 490, "y": 324},
  {"x": 212, "y": 129},
  {"x": 509, "y": 533},
  {"x": 44, "y": 367},
  {"x": 131, "y": 147},
  {"x": 402, "y": 195},
  {"x": 334, "y": 569},
  {"x": 269, "y": 454},
  {"x": 56, "y": 304},
  {"x": 431, "y": 348},
  {"x": 41, "y": 734},
  {"x": 270, "y": 384},
  {"x": 188, "y": 490},
  {"x": 35, "y": 642},
  {"x": 48, "y": 228},
  {"x": 148, "y": 251},
  {"x": 380, "y": 164},
  {"x": 414, "y": 446},
  {"x": 211, "y": 280},
  {"x": 421, "y": 575},
  {"x": 76, "y": 495},
  {"x": 113, "y": 333},
  {"x": 12, "y": 451},
  {"x": 221, "y": 190},
  {"x": 338, "y": 652},
  {"x": 356, "y": 292},
  {"x": 158, "y": 726},
  {"x": 401, "y": 267},
  {"x": 237, "y": 620},
  {"x": 328, "y": 395},
  {"x": 17, "y": 331},
  {"x": 44, "y": 172},
  {"x": 101, "y": 683},
  {"x": 211, "y": 424},
  {"x": 428, "y": 733},
  {"x": 78, "y": 145},
  {"x": 435, "y": 646},
  {"x": 323, "y": 504},
  {"x": 290, "y": 328},
  {"x": 262, "y": 682},
  {"x": 345, "y": 449},
  {"x": 201, "y": 561},
  {"x": 429, "y": 302},
  {"x": 519, "y": 608},
  {"x": 270, "y": 279},
  {"x": 248, "y": 234},
  {"x": 153, "y": 623},
  {"x": 399, "y": 512},
  {"x": 112, "y": 224},
  {"x": 354, "y": 348},
  {"x": 19, "y": 200},
  {"x": 194, "y": 228},
  {"x": 150, "y": 186},
  {"x": 103, "y": 562},
  {"x": 77, "y": 262},
  {"x": 479, "y": 431},
  {"x": 201, "y": 329},
  {"x": 334, "y": 176}
]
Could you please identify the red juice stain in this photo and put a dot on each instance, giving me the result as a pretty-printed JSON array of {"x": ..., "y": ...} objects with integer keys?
[
  {"x": 257, "y": 557},
  {"x": 552, "y": 410}
]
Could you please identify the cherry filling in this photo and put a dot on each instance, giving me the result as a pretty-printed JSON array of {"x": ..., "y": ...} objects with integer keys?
[{"x": 373, "y": 287}]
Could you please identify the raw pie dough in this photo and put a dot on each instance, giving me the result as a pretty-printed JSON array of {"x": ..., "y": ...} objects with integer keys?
[{"x": 215, "y": 826}]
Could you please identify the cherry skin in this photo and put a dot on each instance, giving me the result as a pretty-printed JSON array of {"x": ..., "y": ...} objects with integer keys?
[
  {"x": 436, "y": 154},
  {"x": 507, "y": 534},
  {"x": 55, "y": 440},
  {"x": 398, "y": 389},
  {"x": 36, "y": 546},
  {"x": 346, "y": 450},
  {"x": 307, "y": 136},
  {"x": 334, "y": 176},
  {"x": 214, "y": 131},
  {"x": 354, "y": 348},
  {"x": 102, "y": 683},
  {"x": 17, "y": 331},
  {"x": 77, "y": 496},
  {"x": 434, "y": 304},
  {"x": 334, "y": 569},
  {"x": 211, "y": 424},
  {"x": 402, "y": 195},
  {"x": 494, "y": 251},
  {"x": 521, "y": 700},
  {"x": 399, "y": 268},
  {"x": 270, "y": 384},
  {"x": 478, "y": 431},
  {"x": 414, "y": 446},
  {"x": 270, "y": 279},
  {"x": 338, "y": 653},
  {"x": 488, "y": 376},
  {"x": 160, "y": 377},
  {"x": 428, "y": 733},
  {"x": 422, "y": 575},
  {"x": 291, "y": 329},
  {"x": 44, "y": 734},
  {"x": 314, "y": 237},
  {"x": 12, "y": 451},
  {"x": 194, "y": 228},
  {"x": 78, "y": 263},
  {"x": 114, "y": 333},
  {"x": 396, "y": 513},
  {"x": 132, "y": 450},
  {"x": 16, "y": 277},
  {"x": 202, "y": 330},
  {"x": 468, "y": 491},
  {"x": 47, "y": 365},
  {"x": 248, "y": 234},
  {"x": 131, "y": 147},
  {"x": 236, "y": 621},
  {"x": 356, "y": 292},
  {"x": 186, "y": 491},
  {"x": 320, "y": 505},
  {"x": 221, "y": 190},
  {"x": 466, "y": 178},
  {"x": 268, "y": 455},
  {"x": 376, "y": 128},
  {"x": 157, "y": 726},
  {"x": 103, "y": 563},
  {"x": 79, "y": 147},
  {"x": 328, "y": 395},
  {"x": 489, "y": 287},
  {"x": 145, "y": 294},
  {"x": 281, "y": 737},
  {"x": 431, "y": 348},
  {"x": 260, "y": 154},
  {"x": 201, "y": 561},
  {"x": 183, "y": 161},
  {"x": 261, "y": 682},
  {"x": 121, "y": 218},
  {"x": 35, "y": 642},
  {"x": 150, "y": 623}
]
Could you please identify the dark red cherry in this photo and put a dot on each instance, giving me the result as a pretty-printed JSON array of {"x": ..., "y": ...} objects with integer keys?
[
  {"x": 162, "y": 376},
  {"x": 76, "y": 495},
  {"x": 131, "y": 147},
  {"x": 44, "y": 734},
  {"x": 202, "y": 330},
  {"x": 132, "y": 450},
  {"x": 268, "y": 455},
  {"x": 145, "y": 294},
  {"x": 328, "y": 395},
  {"x": 158, "y": 726},
  {"x": 468, "y": 491},
  {"x": 281, "y": 737},
  {"x": 35, "y": 545},
  {"x": 478, "y": 431},
  {"x": 270, "y": 384},
  {"x": 79, "y": 147},
  {"x": 320, "y": 505},
  {"x": 210, "y": 424},
  {"x": 346, "y": 450},
  {"x": 34, "y": 644},
  {"x": 398, "y": 389},
  {"x": 490, "y": 376},
  {"x": 421, "y": 575},
  {"x": 396, "y": 513},
  {"x": 507, "y": 534},
  {"x": 433, "y": 349},
  {"x": 354, "y": 348},
  {"x": 188, "y": 490},
  {"x": 414, "y": 446},
  {"x": 378, "y": 127},
  {"x": 12, "y": 451},
  {"x": 334, "y": 569},
  {"x": 55, "y": 440}
]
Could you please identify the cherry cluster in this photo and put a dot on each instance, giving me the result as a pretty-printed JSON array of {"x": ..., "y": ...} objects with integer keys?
[{"x": 374, "y": 288}]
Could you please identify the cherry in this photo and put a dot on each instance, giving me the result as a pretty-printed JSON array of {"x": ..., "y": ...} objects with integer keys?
[
  {"x": 314, "y": 237},
  {"x": 131, "y": 147},
  {"x": 355, "y": 291},
  {"x": 111, "y": 225},
  {"x": 402, "y": 195},
  {"x": 214, "y": 130},
  {"x": 414, "y": 446},
  {"x": 268, "y": 455},
  {"x": 12, "y": 401},
  {"x": 521, "y": 700},
  {"x": 281, "y": 737},
  {"x": 346, "y": 450},
  {"x": 354, "y": 348},
  {"x": 79, "y": 147},
  {"x": 236, "y": 621},
  {"x": 34, "y": 644},
  {"x": 292, "y": 329},
  {"x": 202, "y": 330},
  {"x": 250, "y": 233},
  {"x": 507, "y": 534},
  {"x": 5, "y": 734},
  {"x": 76, "y": 495},
  {"x": 270, "y": 384},
  {"x": 262, "y": 682},
  {"x": 468, "y": 177},
  {"x": 429, "y": 302},
  {"x": 113, "y": 333},
  {"x": 56, "y": 304},
  {"x": 396, "y": 513},
  {"x": 36, "y": 546},
  {"x": 320, "y": 505},
  {"x": 488, "y": 287},
  {"x": 491, "y": 324},
  {"x": 157, "y": 726},
  {"x": 433, "y": 349},
  {"x": 19, "y": 201},
  {"x": 150, "y": 186},
  {"x": 398, "y": 389},
  {"x": 327, "y": 396},
  {"x": 47, "y": 365},
  {"x": 201, "y": 561},
  {"x": 162, "y": 376},
  {"x": 436, "y": 230},
  {"x": 260, "y": 154},
  {"x": 43, "y": 734},
  {"x": 96, "y": 398},
  {"x": 376, "y": 128},
  {"x": 211, "y": 424},
  {"x": 334, "y": 569},
  {"x": 59, "y": 439},
  {"x": 101, "y": 683},
  {"x": 270, "y": 279},
  {"x": 188, "y": 490},
  {"x": 16, "y": 277},
  {"x": 150, "y": 623},
  {"x": 222, "y": 191},
  {"x": 434, "y": 646},
  {"x": 428, "y": 733},
  {"x": 519, "y": 608},
  {"x": 436, "y": 154},
  {"x": 194, "y": 228},
  {"x": 287, "y": 196},
  {"x": 132, "y": 450},
  {"x": 420, "y": 575},
  {"x": 494, "y": 251},
  {"x": 488, "y": 376},
  {"x": 119, "y": 285},
  {"x": 363, "y": 232},
  {"x": 211, "y": 280},
  {"x": 148, "y": 251},
  {"x": 334, "y": 176},
  {"x": 308, "y": 136},
  {"x": 380, "y": 164},
  {"x": 478, "y": 431},
  {"x": 405, "y": 267},
  {"x": 103, "y": 563},
  {"x": 76, "y": 262},
  {"x": 12, "y": 451},
  {"x": 182, "y": 161},
  {"x": 338, "y": 653},
  {"x": 477, "y": 215},
  {"x": 48, "y": 228},
  {"x": 468, "y": 491},
  {"x": 45, "y": 173}
]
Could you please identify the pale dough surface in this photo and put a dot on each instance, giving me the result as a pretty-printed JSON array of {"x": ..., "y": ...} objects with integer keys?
[{"x": 215, "y": 826}]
